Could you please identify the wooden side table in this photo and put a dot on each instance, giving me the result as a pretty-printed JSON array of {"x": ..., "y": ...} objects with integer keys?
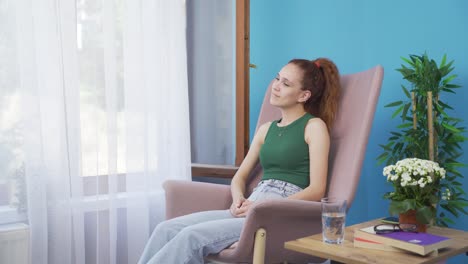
[{"x": 347, "y": 253}]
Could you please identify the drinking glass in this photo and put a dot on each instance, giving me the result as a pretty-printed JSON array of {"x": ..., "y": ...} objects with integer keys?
[{"x": 333, "y": 220}]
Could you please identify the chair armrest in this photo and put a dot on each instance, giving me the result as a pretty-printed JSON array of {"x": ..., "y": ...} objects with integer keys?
[
  {"x": 185, "y": 197},
  {"x": 283, "y": 220}
]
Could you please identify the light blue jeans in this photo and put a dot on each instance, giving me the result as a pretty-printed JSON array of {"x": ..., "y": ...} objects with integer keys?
[{"x": 189, "y": 238}]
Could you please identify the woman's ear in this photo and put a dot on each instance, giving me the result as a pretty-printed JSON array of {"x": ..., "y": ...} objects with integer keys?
[{"x": 305, "y": 95}]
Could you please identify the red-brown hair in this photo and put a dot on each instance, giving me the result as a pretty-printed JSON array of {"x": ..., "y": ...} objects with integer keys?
[{"x": 322, "y": 79}]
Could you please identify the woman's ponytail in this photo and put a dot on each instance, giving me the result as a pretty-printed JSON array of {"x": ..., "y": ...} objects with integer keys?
[{"x": 328, "y": 103}]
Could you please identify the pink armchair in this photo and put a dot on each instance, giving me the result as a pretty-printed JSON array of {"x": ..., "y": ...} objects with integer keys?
[{"x": 270, "y": 223}]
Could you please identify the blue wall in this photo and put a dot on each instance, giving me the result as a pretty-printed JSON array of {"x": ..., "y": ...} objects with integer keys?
[{"x": 358, "y": 35}]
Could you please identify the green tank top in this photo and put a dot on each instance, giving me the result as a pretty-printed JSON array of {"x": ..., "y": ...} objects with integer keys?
[{"x": 285, "y": 154}]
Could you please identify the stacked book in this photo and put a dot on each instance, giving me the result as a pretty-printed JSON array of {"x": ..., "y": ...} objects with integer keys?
[{"x": 420, "y": 243}]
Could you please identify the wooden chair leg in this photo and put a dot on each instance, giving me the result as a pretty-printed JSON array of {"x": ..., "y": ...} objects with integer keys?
[{"x": 259, "y": 246}]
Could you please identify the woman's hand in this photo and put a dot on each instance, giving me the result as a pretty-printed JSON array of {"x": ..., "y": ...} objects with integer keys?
[
  {"x": 244, "y": 209},
  {"x": 236, "y": 204},
  {"x": 240, "y": 207}
]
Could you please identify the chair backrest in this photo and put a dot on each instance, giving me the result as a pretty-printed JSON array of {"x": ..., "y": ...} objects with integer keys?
[{"x": 350, "y": 132}]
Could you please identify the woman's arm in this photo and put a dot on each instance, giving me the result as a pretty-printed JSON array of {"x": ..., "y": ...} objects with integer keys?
[
  {"x": 317, "y": 137},
  {"x": 239, "y": 181}
]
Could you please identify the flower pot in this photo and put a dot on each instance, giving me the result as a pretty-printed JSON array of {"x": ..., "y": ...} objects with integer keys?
[{"x": 409, "y": 217}]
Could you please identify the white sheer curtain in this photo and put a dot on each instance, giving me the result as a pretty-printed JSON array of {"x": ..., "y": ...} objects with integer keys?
[{"x": 104, "y": 121}]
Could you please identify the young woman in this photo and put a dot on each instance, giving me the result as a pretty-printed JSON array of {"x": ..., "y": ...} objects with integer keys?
[{"x": 293, "y": 152}]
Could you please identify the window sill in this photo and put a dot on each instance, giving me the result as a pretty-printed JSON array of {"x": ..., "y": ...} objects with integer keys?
[
  {"x": 217, "y": 171},
  {"x": 9, "y": 214}
]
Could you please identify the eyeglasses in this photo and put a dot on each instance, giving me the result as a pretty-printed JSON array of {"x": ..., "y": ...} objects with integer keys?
[{"x": 390, "y": 228}]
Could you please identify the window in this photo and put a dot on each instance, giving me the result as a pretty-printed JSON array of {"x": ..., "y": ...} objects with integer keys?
[
  {"x": 92, "y": 35},
  {"x": 95, "y": 40},
  {"x": 211, "y": 64},
  {"x": 219, "y": 60},
  {"x": 11, "y": 156}
]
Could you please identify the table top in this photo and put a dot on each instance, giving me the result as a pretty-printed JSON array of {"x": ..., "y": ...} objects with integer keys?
[{"x": 347, "y": 253}]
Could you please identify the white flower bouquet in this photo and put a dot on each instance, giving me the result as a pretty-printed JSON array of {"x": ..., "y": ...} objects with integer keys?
[{"x": 417, "y": 187}]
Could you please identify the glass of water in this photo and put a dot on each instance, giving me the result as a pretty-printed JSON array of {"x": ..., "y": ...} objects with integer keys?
[{"x": 333, "y": 220}]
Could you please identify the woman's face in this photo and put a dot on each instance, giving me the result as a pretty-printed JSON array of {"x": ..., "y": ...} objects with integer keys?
[{"x": 286, "y": 89}]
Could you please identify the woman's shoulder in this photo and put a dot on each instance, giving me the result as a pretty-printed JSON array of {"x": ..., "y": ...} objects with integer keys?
[
  {"x": 264, "y": 127},
  {"x": 316, "y": 125},
  {"x": 261, "y": 133},
  {"x": 316, "y": 122}
]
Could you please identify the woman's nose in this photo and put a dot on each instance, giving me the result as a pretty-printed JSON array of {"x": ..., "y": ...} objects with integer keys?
[{"x": 275, "y": 86}]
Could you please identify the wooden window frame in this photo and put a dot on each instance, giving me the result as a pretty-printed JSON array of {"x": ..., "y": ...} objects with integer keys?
[{"x": 242, "y": 97}]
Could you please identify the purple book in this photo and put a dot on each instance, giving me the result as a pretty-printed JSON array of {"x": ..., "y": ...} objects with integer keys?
[
  {"x": 423, "y": 239},
  {"x": 421, "y": 243}
]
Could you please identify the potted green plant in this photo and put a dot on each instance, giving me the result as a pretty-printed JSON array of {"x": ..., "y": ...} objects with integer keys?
[
  {"x": 416, "y": 185},
  {"x": 428, "y": 132}
]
